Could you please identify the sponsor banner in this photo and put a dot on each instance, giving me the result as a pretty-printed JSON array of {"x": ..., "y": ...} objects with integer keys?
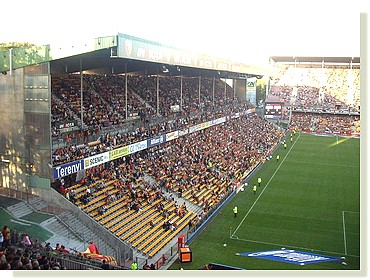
[
  {"x": 142, "y": 145},
  {"x": 183, "y": 132},
  {"x": 193, "y": 128},
  {"x": 66, "y": 125},
  {"x": 96, "y": 160},
  {"x": 68, "y": 168},
  {"x": 118, "y": 153},
  {"x": 290, "y": 256},
  {"x": 250, "y": 94},
  {"x": 204, "y": 125},
  {"x": 172, "y": 135},
  {"x": 200, "y": 126},
  {"x": 156, "y": 140},
  {"x": 218, "y": 121}
]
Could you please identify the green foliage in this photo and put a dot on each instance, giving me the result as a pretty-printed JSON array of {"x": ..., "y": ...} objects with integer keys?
[
  {"x": 23, "y": 54},
  {"x": 9, "y": 45}
]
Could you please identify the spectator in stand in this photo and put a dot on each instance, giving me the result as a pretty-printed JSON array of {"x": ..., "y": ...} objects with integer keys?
[
  {"x": 134, "y": 265},
  {"x": 63, "y": 250},
  {"x": 93, "y": 248},
  {"x": 26, "y": 241},
  {"x": 57, "y": 247},
  {"x": 146, "y": 267},
  {"x": 48, "y": 248},
  {"x": 103, "y": 210},
  {"x": 105, "y": 265},
  {"x": 6, "y": 236},
  {"x": 35, "y": 265}
]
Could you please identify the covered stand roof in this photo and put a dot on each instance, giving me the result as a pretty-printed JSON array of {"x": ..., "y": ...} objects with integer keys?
[
  {"x": 116, "y": 54},
  {"x": 317, "y": 61}
]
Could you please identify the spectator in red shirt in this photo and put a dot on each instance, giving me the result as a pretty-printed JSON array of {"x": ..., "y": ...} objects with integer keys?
[{"x": 63, "y": 250}]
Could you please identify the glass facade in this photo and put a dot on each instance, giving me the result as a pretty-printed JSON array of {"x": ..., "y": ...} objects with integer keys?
[{"x": 25, "y": 153}]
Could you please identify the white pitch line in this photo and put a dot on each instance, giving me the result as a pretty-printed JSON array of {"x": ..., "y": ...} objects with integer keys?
[
  {"x": 277, "y": 169},
  {"x": 344, "y": 234},
  {"x": 351, "y": 212},
  {"x": 344, "y": 229}
]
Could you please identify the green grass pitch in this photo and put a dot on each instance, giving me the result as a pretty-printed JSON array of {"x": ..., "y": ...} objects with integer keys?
[{"x": 308, "y": 201}]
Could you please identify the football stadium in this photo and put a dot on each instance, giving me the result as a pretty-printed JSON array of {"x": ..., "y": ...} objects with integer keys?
[{"x": 134, "y": 155}]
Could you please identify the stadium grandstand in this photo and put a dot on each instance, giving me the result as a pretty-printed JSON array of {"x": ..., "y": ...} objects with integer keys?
[
  {"x": 119, "y": 152},
  {"x": 323, "y": 90}
]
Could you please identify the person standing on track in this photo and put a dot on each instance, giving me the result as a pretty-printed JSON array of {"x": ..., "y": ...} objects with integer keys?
[
  {"x": 235, "y": 210},
  {"x": 134, "y": 266},
  {"x": 254, "y": 189}
]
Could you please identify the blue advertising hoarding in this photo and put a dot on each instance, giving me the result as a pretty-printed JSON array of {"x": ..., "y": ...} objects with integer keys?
[
  {"x": 68, "y": 168},
  {"x": 290, "y": 256},
  {"x": 156, "y": 140}
]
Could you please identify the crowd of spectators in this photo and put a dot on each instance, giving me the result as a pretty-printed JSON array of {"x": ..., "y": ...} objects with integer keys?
[
  {"x": 22, "y": 252},
  {"x": 108, "y": 90},
  {"x": 17, "y": 258},
  {"x": 340, "y": 81},
  {"x": 125, "y": 175},
  {"x": 318, "y": 87},
  {"x": 104, "y": 101},
  {"x": 217, "y": 152},
  {"x": 104, "y": 98},
  {"x": 307, "y": 98},
  {"x": 112, "y": 140},
  {"x": 180, "y": 166},
  {"x": 344, "y": 125},
  {"x": 281, "y": 93},
  {"x": 170, "y": 94}
]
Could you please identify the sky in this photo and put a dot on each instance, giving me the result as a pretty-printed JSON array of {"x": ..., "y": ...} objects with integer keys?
[{"x": 244, "y": 31}]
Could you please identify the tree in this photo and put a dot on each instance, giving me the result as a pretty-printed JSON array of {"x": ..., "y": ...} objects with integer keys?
[
  {"x": 23, "y": 54},
  {"x": 9, "y": 45}
]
